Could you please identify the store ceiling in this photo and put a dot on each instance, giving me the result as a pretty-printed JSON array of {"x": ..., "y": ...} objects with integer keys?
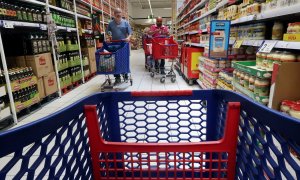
[{"x": 144, "y": 4}]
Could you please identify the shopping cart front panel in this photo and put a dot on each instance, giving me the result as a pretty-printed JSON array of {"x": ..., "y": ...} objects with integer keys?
[
  {"x": 113, "y": 58},
  {"x": 164, "y": 48},
  {"x": 58, "y": 146}
]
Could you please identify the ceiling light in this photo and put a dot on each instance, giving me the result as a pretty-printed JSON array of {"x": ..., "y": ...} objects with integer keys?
[{"x": 150, "y": 6}]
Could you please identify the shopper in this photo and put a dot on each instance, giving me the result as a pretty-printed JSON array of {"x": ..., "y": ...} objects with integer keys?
[
  {"x": 119, "y": 29},
  {"x": 157, "y": 30}
]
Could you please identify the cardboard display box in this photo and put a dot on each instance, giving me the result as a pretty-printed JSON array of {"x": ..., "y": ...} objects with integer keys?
[
  {"x": 90, "y": 53},
  {"x": 50, "y": 83},
  {"x": 285, "y": 84},
  {"x": 41, "y": 88},
  {"x": 41, "y": 64}
]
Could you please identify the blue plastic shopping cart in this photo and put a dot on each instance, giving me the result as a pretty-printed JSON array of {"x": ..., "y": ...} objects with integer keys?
[
  {"x": 155, "y": 135},
  {"x": 112, "y": 59}
]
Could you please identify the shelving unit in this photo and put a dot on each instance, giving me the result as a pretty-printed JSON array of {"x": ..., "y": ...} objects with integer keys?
[
  {"x": 201, "y": 13},
  {"x": 91, "y": 7}
]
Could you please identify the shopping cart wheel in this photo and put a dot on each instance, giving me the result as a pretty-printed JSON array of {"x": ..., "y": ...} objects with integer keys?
[
  {"x": 162, "y": 80},
  {"x": 173, "y": 79},
  {"x": 152, "y": 74}
]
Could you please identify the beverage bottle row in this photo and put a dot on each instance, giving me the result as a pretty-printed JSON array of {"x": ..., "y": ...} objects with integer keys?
[
  {"x": 20, "y": 12},
  {"x": 17, "y": 74},
  {"x": 75, "y": 71},
  {"x": 63, "y": 20},
  {"x": 37, "y": 43},
  {"x": 25, "y": 94},
  {"x": 64, "y": 75}
]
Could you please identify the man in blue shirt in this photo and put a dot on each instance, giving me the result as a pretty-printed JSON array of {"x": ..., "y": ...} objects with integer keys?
[{"x": 119, "y": 29}]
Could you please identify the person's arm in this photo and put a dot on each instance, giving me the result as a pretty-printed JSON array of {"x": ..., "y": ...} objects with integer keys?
[
  {"x": 153, "y": 30},
  {"x": 107, "y": 37},
  {"x": 129, "y": 30}
]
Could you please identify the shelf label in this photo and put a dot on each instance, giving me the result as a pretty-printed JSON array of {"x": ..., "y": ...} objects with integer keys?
[
  {"x": 8, "y": 24},
  {"x": 68, "y": 29},
  {"x": 257, "y": 43},
  {"x": 282, "y": 44},
  {"x": 291, "y": 37},
  {"x": 267, "y": 46},
  {"x": 43, "y": 27},
  {"x": 237, "y": 44}
]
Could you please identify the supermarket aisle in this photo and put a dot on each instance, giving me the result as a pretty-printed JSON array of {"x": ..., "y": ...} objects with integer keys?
[{"x": 141, "y": 82}]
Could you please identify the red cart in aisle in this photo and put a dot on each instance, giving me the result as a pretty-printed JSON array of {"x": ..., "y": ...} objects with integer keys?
[
  {"x": 204, "y": 134},
  {"x": 147, "y": 46},
  {"x": 164, "y": 48}
]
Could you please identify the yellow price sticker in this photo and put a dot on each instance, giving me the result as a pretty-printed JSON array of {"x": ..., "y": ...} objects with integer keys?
[{"x": 237, "y": 44}]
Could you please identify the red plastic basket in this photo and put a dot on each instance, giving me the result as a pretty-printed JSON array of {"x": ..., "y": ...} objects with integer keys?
[
  {"x": 125, "y": 160},
  {"x": 146, "y": 46},
  {"x": 164, "y": 48}
]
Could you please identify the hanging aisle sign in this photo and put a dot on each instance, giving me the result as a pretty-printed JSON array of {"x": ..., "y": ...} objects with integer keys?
[{"x": 219, "y": 39}]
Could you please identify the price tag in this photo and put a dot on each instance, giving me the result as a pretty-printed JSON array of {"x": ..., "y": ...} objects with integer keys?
[
  {"x": 282, "y": 44},
  {"x": 267, "y": 46},
  {"x": 8, "y": 24},
  {"x": 231, "y": 42},
  {"x": 257, "y": 43},
  {"x": 237, "y": 44},
  {"x": 43, "y": 27}
]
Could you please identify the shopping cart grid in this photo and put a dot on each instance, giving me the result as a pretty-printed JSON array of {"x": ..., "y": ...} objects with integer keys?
[{"x": 58, "y": 146}]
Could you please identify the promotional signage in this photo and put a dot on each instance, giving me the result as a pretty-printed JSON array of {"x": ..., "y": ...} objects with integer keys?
[{"x": 219, "y": 39}]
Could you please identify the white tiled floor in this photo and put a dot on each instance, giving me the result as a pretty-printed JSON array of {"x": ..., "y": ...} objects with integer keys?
[{"x": 141, "y": 82}]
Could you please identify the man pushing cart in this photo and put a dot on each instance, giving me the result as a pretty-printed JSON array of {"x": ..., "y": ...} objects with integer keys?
[{"x": 113, "y": 57}]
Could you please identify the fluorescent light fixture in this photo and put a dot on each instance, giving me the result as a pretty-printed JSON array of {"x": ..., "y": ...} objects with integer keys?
[{"x": 150, "y": 6}]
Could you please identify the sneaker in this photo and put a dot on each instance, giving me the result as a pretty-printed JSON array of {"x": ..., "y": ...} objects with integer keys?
[
  {"x": 163, "y": 73},
  {"x": 117, "y": 81}
]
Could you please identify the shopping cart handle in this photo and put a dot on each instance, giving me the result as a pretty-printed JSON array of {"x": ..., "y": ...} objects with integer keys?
[{"x": 161, "y": 93}]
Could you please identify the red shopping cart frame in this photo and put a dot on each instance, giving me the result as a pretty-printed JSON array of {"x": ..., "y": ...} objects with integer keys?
[
  {"x": 146, "y": 46},
  {"x": 164, "y": 48},
  {"x": 114, "y": 164}
]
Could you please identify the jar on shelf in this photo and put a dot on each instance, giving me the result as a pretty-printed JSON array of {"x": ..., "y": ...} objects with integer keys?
[
  {"x": 287, "y": 57},
  {"x": 259, "y": 31},
  {"x": 286, "y": 106},
  {"x": 251, "y": 83},
  {"x": 261, "y": 87},
  {"x": 259, "y": 59},
  {"x": 295, "y": 111},
  {"x": 264, "y": 63},
  {"x": 238, "y": 76},
  {"x": 276, "y": 56},
  {"x": 270, "y": 60},
  {"x": 277, "y": 31},
  {"x": 246, "y": 81},
  {"x": 242, "y": 76}
]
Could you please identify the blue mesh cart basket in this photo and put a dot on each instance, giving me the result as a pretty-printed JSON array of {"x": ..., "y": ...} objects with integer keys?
[
  {"x": 58, "y": 146},
  {"x": 113, "y": 58}
]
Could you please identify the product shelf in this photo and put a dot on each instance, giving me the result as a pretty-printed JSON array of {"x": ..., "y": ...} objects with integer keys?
[
  {"x": 187, "y": 4},
  {"x": 87, "y": 31},
  {"x": 193, "y": 32},
  {"x": 68, "y": 29},
  {"x": 282, "y": 11},
  {"x": 96, "y": 9},
  {"x": 11, "y": 24},
  {"x": 84, "y": 2},
  {"x": 199, "y": 5},
  {"x": 61, "y": 10},
  {"x": 199, "y": 44},
  {"x": 84, "y": 17},
  {"x": 35, "y": 2}
]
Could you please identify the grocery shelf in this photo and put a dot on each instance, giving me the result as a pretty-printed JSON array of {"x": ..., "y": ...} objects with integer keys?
[
  {"x": 244, "y": 19},
  {"x": 282, "y": 11},
  {"x": 69, "y": 29},
  {"x": 199, "y": 44},
  {"x": 192, "y": 10},
  {"x": 288, "y": 45},
  {"x": 194, "y": 32},
  {"x": 255, "y": 43},
  {"x": 84, "y": 2},
  {"x": 12, "y": 24},
  {"x": 87, "y": 31},
  {"x": 84, "y": 17},
  {"x": 62, "y": 10},
  {"x": 35, "y": 2},
  {"x": 96, "y": 9},
  {"x": 187, "y": 4}
]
